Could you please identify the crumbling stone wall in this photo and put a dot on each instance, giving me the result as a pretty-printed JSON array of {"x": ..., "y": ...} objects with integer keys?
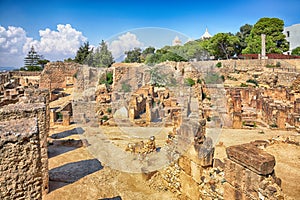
[
  {"x": 32, "y": 110},
  {"x": 58, "y": 75},
  {"x": 21, "y": 174}
]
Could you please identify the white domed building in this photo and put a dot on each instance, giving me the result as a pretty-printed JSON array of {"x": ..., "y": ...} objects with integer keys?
[{"x": 206, "y": 35}]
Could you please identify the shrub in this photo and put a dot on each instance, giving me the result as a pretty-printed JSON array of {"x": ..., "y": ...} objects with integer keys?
[
  {"x": 105, "y": 118},
  {"x": 126, "y": 87},
  {"x": 208, "y": 118},
  {"x": 243, "y": 85},
  {"x": 219, "y": 65},
  {"x": 190, "y": 82},
  {"x": 252, "y": 81},
  {"x": 273, "y": 125},
  {"x": 109, "y": 110}
]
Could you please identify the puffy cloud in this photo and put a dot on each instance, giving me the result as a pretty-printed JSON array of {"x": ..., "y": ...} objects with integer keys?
[
  {"x": 12, "y": 41},
  {"x": 57, "y": 45},
  {"x": 125, "y": 42},
  {"x": 53, "y": 44}
]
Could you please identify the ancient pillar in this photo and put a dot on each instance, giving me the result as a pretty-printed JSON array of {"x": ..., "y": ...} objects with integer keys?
[
  {"x": 66, "y": 118},
  {"x": 263, "y": 46}
]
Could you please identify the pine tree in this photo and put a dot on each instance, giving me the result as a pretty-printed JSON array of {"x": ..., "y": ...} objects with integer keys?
[
  {"x": 82, "y": 53},
  {"x": 31, "y": 61},
  {"x": 103, "y": 57}
]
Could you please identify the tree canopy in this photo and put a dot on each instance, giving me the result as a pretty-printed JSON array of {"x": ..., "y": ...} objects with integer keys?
[
  {"x": 296, "y": 51},
  {"x": 275, "y": 39},
  {"x": 224, "y": 45}
]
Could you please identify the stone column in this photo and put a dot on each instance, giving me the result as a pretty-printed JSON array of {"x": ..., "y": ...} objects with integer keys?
[
  {"x": 263, "y": 46},
  {"x": 66, "y": 118}
]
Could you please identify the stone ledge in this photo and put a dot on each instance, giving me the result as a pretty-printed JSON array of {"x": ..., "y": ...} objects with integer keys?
[
  {"x": 252, "y": 158},
  {"x": 17, "y": 130}
]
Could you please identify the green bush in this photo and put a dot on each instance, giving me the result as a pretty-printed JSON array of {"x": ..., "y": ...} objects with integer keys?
[
  {"x": 190, "y": 82},
  {"x": 243, "y": 85},
  {"x": 109, "y": 110},
  {"x": 252, "y": 81},
  {"x": 219, "y": 65},
  {"x": 106, "y": 79},
  {"x": 126, "y": 87},
  {"x": 105, "y": 118}
]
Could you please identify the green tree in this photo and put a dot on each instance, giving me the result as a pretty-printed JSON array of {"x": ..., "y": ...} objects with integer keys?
[
  {"x": 224, "y": 45},
  {"x": 32, "y": 59},
  {"x": 102, "y": 57},
  {"x": 82, "y": 53},
  {"x": 244, "y": 32},
  {"x": 133, "y": 56},
  {"x": 275, "y": 39},
  {"x": 296, "y": 51}
]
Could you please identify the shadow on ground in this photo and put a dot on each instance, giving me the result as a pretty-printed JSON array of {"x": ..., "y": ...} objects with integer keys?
[
  {"x": 63, "y": 146},
  {"x": 72, "y": 172},
  {"x": 67, "y": 133},
  {"x": 113, "y": 198}
]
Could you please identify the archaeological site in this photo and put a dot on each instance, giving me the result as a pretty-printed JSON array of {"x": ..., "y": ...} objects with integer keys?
[{"x": 227, "y": 129}]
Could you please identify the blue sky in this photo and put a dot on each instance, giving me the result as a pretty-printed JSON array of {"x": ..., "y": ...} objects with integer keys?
[{"x": 97, "y": 20}]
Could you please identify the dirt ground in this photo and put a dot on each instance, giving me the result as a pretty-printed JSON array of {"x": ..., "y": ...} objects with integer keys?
[
  {"x": 76, "y": 174},
  {"x": 104, "y": 182}
]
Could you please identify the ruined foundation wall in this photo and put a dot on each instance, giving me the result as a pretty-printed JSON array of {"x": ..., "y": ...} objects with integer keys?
[
  {"x": 58, "y": 74},
  {"x": 34, "y": 110},
  {"x": 21, "y": 174}
]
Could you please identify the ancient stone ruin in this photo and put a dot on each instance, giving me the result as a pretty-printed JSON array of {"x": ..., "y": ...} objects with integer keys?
[{"x": 68, "y": 93}]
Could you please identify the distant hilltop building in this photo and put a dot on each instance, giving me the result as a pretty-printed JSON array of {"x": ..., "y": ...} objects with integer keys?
[
  {"x": 206, "y": 35},
  {"x": 292, "y": 34},
  {"x": 176, "y": 41}
]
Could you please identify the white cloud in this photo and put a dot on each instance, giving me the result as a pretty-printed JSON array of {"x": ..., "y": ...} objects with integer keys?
[
  {"x": 125, "y": 42},
  {"x": 12, "y": 41},
  {"x": 53, "y": 44},
  {"x": 57, "y": 45}
]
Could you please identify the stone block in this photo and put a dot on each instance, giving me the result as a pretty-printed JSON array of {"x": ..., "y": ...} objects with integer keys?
[
  {"x": 252, "y": 158},
  {"x": 196, "y": 172},
  {"x": 189, "y": 187},
  {"x": 185, "y": 164}
]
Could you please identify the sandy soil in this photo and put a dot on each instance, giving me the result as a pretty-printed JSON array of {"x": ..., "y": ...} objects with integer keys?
[{"x": 104, "y": 182}]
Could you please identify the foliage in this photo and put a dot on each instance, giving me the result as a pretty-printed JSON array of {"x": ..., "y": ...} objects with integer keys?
[
  {"x": 213, "y": 78},
  {"x": 102, "y": 56},
  {"x": 190, "y": 82},
  {"x": 126, "y": 87},
  {"x": 224, "y": 45},
  {"x": 109, "y": 110},
  {"x": 275, "y": 39},
  {"x": 243, "y": 85},
  {"x": 242, "y": 35},
  {"x": 33, "y": 61},
  {"x": 82, "y": 53},
  {"x": 273, "y": 125},
  {"x": 252, "y": 81},
  {"x": 296, "y": 51},
  {"x": 105, "y": 118},
  {"x": 219, "y": 65},
  {"x": 106, "y": 79},
  {"x": 133, "y": 56}
]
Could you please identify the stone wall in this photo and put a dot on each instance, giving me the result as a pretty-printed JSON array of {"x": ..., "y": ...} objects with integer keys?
[
  {"x": 32, "y": 110},
  {"x": 21, "y": 174},
  {"x": 58, "y": 75}
]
